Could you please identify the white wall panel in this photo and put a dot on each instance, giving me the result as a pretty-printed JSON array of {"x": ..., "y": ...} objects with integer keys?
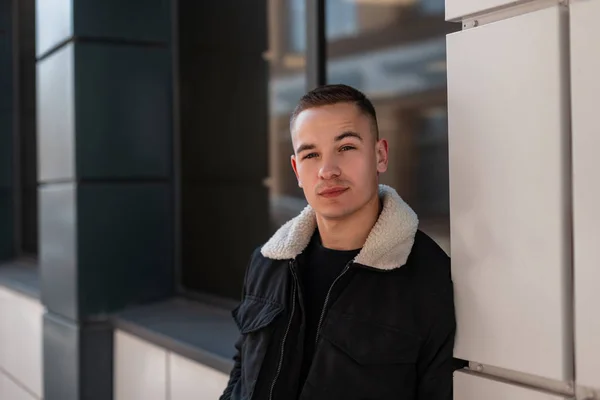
[
  {"x": 456, "y": 9},
  {"x": 585, "y": 56},
  {"x": 9, "y": 390},
  {"x": 506, "y": 189},
  {"x": 469, "y": 387},
  {"x": 191, "y": 381},
  {"x": 21, "y": 339},
  {"x": 140, "y": 369}
]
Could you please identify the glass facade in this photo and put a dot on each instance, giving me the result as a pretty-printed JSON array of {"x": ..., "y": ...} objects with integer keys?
[{"x": 393, "y": 50}]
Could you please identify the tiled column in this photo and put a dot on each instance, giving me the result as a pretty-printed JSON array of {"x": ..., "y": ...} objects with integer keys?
[
  {"x": 6, "y": 131},
  {"x": 105, "y": 172}
]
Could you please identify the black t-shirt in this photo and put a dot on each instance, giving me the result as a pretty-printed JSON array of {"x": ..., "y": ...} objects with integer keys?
[{"x": 318, "y": 269}]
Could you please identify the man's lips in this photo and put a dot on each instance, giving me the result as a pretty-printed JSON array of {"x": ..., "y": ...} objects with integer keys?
[{"x": 333, "y": 191}]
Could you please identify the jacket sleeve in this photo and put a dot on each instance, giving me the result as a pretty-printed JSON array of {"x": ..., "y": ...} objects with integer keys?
[
  {"x": 436, "y": 364},
  {"x": 236, "y": 372},
  {"x": 231, "y": 391}
]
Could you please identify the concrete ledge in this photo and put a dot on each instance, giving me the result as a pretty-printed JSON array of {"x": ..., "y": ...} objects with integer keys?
[
  {"x": 202, "y": 333},
  {"x": 22, "y": 276}
]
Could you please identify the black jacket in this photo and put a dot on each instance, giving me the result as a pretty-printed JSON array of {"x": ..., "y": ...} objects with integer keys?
[{"x": 387, "y": 327}]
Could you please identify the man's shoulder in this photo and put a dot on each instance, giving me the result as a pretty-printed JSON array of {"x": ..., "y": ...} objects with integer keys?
[
  {"x": 429, "y": 264},
  {"x": 262, "y": 271},
  {"x": 257, "y": 261},
  {"x": 429, "y": 267},
  {"x": 425, "y": 246}
]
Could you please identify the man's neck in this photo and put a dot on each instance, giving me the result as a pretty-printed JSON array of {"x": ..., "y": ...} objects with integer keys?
[{"x": 349, "y": 233}]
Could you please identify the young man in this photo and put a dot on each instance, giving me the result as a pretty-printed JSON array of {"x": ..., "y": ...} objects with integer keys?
[{"x": 349, "y": 300}]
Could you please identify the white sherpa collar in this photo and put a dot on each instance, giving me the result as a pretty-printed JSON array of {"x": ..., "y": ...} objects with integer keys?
[{"x": 387, "y": 247}]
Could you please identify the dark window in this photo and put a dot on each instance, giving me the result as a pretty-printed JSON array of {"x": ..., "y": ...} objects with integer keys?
[{"x": 222, "y": 143}]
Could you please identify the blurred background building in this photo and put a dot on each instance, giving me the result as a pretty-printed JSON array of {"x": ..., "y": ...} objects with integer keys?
[{"x": 144, "y": 153}]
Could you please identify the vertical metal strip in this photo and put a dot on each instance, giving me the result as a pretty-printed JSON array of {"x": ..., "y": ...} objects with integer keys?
[
  {"x": 567, "y": 192},
  {"x": 17, "y": 184},
  {"x": 176, "y": 143},
  {"x": 316, "y": 44}
]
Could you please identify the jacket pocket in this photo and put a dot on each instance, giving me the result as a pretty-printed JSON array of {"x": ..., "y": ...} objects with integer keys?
[
  {"x": 256, "y": 318},
  {"x": 369, "y": 343},
  {"x": 358, "y": 359},
  {"x": 255, "y": 313}
]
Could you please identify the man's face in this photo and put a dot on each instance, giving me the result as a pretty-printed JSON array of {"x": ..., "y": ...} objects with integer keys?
[{"x": 337, "y": 158}]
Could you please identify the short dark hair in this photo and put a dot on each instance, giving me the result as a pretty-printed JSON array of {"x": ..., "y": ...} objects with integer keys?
[{"x": 333, "y": 94}]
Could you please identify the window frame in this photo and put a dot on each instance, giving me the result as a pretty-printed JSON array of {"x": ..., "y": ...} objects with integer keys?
[
  {"x": 316, "y": 44},
  {"x": 19, "y": 170}
]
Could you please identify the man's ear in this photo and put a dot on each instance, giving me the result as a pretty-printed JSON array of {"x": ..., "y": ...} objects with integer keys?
[
  {"x": 381, "y": 150},
  {"x": 295, "y": 168}
]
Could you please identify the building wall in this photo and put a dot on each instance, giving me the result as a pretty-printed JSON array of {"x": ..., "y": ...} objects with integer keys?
[
  {"x": 524, "y": 184},
  {"x": 524, "y": 189}
]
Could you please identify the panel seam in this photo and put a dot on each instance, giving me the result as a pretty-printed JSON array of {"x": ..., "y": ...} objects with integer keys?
[
  {"x": 569, "y": 271},
  {"x": 507, "y": 11},
  {"x": 18, "y": 383},
  {"x": 101, "y": 40}
]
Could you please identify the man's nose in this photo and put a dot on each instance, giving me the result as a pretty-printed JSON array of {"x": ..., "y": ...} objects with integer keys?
[{"x": 329, "y": 170}]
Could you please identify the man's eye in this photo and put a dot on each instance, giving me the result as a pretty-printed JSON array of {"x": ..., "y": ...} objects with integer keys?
[
  {"x": 346, "y": 148},
  {"x": 311, "y": 155}
]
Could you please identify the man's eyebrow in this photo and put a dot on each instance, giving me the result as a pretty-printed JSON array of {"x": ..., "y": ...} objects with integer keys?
[
  {"x": 342, "y": 136},
  {"x": 348, "y": 134},
  {"x": 304, "y": 147}
]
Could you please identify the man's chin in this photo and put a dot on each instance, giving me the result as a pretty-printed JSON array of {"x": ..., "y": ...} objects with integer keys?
[{"x": 333, "y": 211}]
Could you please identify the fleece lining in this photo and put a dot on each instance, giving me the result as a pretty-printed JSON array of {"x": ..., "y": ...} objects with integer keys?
[{"x": 387, "y": 246}]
